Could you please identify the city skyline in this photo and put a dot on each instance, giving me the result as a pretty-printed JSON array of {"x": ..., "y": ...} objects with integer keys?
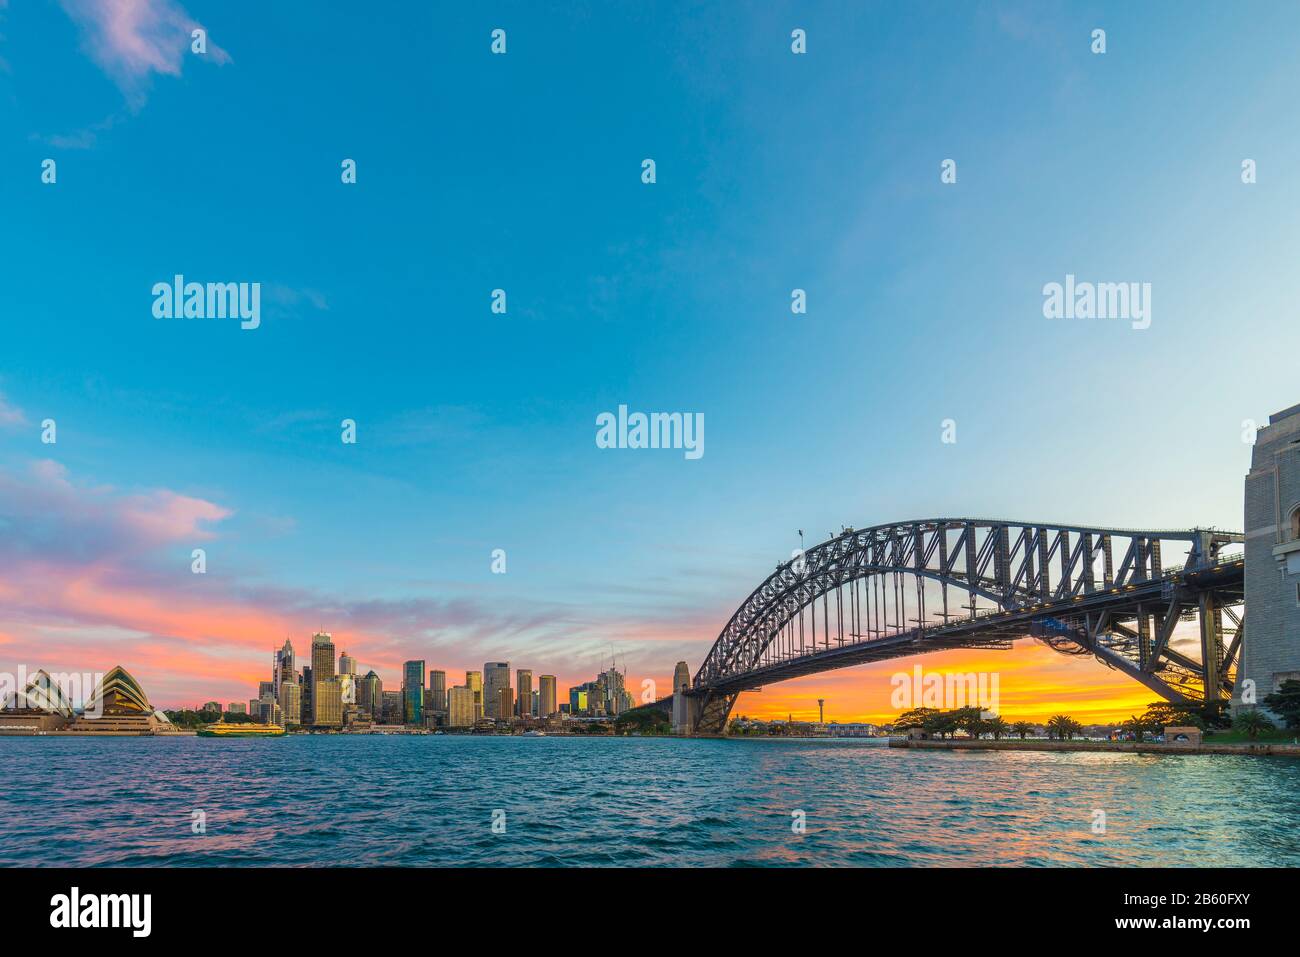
[
  {"x": 476, "y": 430},
  {"x": 323, "y": 697}
]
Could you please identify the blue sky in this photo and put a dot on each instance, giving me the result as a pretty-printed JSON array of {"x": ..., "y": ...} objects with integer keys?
[{"x": 522, "y": 171}]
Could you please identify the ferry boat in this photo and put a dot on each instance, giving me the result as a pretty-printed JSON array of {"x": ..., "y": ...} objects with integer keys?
[{"x": 223, "y": 730}]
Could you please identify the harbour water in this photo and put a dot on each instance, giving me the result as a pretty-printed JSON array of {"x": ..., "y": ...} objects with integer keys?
[{"x": 431, "y": 801}]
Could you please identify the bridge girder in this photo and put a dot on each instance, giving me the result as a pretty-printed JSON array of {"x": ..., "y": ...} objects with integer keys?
[{"x": 1027, "y": 574}]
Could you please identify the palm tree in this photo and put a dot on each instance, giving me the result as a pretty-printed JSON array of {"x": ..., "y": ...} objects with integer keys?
[
  {"x": 1135, "y": 726},
  {"x": 1252, "y": 722},
  {"x": 1022, "y": 728},
  {"x": 1062, "y": 727},
  {"x": 997, "y": 727}
]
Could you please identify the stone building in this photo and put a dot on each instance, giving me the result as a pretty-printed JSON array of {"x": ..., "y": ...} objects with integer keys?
[{"x": 1271, "y": 647}]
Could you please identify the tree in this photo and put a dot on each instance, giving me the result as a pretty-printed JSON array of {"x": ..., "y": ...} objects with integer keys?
[
  {"x": 1162, "y": 714},
  {"x": 1062, "y": 727},
  {"x": 1140, "y": 727},
  {"x": 644, "y": 721},
  {"x": 915, "y": 718},
  {"x": 942, "y": 723},
  {"x": 1022, "y": 728},
  {"x": 1213, "y": 713},
  {"x": 1285, "y": 703},
  {"x": 997, "y": 727},
  {"x": 971, "y": 721},
  {"x": 1252, "y": 723}
]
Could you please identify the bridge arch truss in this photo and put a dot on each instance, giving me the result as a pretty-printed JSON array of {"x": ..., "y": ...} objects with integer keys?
[{"x": 933, "y": 584}]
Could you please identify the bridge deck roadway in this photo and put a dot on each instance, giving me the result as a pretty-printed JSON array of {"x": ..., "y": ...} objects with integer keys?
[{"x": 994, "y": 628}]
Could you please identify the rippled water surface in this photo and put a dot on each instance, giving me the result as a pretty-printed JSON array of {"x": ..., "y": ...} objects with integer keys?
[{"x": 339, "y": 800}]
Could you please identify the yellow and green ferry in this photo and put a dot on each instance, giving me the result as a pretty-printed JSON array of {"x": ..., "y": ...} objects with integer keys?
[{"x": 224, "y": 730}]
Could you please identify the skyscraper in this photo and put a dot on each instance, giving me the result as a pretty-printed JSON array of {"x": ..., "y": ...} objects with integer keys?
[
  {"x": 496, "y": 675},
  {"x": 370, "y": 695},
  {"x": 285, "y": 666},
  {"x": 505, "y": 702},
  {"x": 460, "y": 707},
  {"x": 392, "y": 707},
  {"x": 322, "y": 656},
  {"x": 290, "y": 702},
  {"x": 438, "y": 690},
  {"x": 413, "y": 691},
  {"x": 308, "y": 694},
  {"x": 546, "y": 696},
  {"x": 617, "y": 700},
  {"x": 328, "y": 699},
  {"x": 347, "y": 664},
  {"x": 474, "y": 681},
  {"x": 268, "y": 712},
  {"x": 524, "y": 688}
]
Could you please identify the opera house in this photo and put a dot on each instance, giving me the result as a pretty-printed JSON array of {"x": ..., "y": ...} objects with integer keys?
[{"x": 116, "y": 706}]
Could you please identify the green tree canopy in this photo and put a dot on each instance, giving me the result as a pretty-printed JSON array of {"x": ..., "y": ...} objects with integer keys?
[{"x": 1286, "y": 703}]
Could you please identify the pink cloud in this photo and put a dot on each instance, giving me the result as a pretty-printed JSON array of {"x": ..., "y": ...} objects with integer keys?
[
  {"x": 164, "y": 516},
  {"x": 92, "y": 576},
  {"x": 131, "y": 39}
]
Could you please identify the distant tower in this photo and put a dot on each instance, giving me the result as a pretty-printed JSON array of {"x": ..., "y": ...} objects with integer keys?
[
  {"x": 413, "y": 691},
  {"x": 821, "y": 710},
  {"x": 546, "y": 696},
  {"x": 474, "y": 681},
  {"x": 290, "y": 701},
  {"x": 524, "y": 690},
  {"x": 438, "y": 690},
  {"x": 322, "y": 656},
  {"x": 285, "y": 667},
  {"x": 496, "y": 675},
  {"x": 1270, "y": 652}
]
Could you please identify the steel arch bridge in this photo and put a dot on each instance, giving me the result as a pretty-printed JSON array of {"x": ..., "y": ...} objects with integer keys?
[{"x": 913, "y": 587}]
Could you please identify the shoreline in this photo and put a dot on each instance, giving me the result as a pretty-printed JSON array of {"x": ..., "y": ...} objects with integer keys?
[{"x": 1262, "y": 748}]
